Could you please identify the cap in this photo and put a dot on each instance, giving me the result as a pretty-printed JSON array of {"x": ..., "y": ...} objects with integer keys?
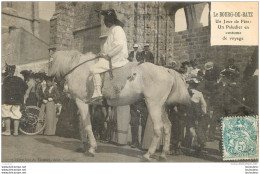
[
  {"x": 135, "y": 46},
  {"x": 103, "y": 37}
]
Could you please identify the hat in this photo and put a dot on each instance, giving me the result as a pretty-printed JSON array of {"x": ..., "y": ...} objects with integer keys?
[
  {"x": 10, "y": 68},
  {"x": 111, "y": 16},
  {"x": 26, "y": 73},
  {"x": 208, "y": 65},
  {"x": 103, "y": 37},
  {"x": 135, "y": 46},
  {"x": 146, "y": 45}
]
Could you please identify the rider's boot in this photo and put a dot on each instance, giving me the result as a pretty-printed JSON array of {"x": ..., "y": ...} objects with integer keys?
[
  {"x": 16, "y": 126},
  {"x": 97, "y": 95}
]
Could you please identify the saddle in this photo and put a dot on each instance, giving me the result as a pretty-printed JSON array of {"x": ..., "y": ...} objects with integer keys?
[{"x": 112, "y": 87}]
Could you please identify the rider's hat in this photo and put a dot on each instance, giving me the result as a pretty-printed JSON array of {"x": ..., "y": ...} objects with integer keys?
[
  {"x": 135, "y": 46},
  {"x": 146, "y": 45},
  {"x": 111, "y": 16}
]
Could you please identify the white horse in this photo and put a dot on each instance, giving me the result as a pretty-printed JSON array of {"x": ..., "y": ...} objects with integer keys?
[{"x": 158, "y": 85}]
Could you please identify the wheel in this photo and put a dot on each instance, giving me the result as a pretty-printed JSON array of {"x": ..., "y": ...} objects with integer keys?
[{"x": 32, "y": 123}]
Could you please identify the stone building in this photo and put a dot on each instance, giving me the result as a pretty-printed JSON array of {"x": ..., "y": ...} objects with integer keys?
[
  {"x": 76, "y": 25},
  {"x": 21, "y": 41}
]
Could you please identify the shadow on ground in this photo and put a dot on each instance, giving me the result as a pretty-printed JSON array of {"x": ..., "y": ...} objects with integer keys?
[
  {"x": 74, "y": 146},
  {"x": 209, "y": 155},
  {"x": 119, "y": 150},
  {"x": 68, "y": 145}
]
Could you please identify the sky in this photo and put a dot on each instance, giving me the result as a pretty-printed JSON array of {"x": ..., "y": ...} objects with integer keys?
[
  {"x": 46, "y": 10},
  {"x": 180, "y": 20}
]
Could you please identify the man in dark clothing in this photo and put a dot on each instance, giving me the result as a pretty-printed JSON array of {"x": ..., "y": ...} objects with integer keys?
[
  {"x": 139, "y": 115},
  {"x": 212, "y": 96},
  {"x": 231, "y": 92},
  {"x": 177, "y": 116},
  {"x": 13, "y": 90},
  {"x": 135, "y": 56},
  {"x": 147, "y": 55}
]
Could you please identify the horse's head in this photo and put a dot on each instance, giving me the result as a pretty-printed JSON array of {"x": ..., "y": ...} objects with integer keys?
[
  {"x": 72, "y": 62},
  {"x": 62, "y": 61}
]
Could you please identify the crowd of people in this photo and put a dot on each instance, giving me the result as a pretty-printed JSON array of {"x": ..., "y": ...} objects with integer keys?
[
  {"x": 215, "y": 92},
  {"x": 35, "y": 89}
]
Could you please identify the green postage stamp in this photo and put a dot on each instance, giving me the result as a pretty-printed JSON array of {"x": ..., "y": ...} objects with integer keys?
[{"x": 240, "y": 138}]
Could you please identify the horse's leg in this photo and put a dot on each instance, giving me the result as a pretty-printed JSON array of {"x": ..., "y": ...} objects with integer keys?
[
  {"x": 155, "y": 112},
  {"x": 167, "y": 134},
  {"x": 86, "y": 125}
]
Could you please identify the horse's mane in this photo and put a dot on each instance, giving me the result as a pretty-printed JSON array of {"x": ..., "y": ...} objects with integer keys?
[{"x": 63, "y": 61}]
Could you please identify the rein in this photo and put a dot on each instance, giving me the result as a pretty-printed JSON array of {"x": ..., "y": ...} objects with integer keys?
[{"x": 70, "y": 71}]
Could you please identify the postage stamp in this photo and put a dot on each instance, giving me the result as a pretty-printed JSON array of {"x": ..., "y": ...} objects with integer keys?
[{"x": 240, "y": 138}]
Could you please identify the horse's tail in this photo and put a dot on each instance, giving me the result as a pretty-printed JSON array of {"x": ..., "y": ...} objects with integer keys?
[{"x": 179, "y": 93}]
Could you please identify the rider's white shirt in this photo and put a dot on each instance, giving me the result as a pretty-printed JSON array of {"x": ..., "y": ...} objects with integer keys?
[{"x": 115, "y": 46}]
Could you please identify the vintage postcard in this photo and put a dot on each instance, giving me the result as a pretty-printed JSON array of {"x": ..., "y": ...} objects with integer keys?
[{"x": 129, "y": 82}]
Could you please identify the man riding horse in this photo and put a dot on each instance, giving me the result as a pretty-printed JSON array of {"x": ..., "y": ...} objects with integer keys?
[
  {"x": 114, "y": 50},
  {"x": 159, "y": 86}
]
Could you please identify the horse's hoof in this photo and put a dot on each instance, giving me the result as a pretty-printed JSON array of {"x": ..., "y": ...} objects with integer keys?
[
  {"x": 145, "y": 158},
  {"x": 89, "y": 154},
  {"x": 162, "y": 159}
]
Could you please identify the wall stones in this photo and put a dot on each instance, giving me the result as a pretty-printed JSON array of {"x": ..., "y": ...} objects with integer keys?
[
  {"x": 78, "y": 26},
  {"x": 195, "y": 44}
]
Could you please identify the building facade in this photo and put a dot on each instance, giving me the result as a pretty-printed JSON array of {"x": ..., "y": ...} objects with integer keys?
[
  {"x": 21, "y": 42},
  {"x": 77, "y": 25}
]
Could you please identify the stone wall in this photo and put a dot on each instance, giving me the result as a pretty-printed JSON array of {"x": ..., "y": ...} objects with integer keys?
[
  {"x": 62, "y": 26},
  {"x": 21, "y": 47},
  {"x": 87, "y": 27},
  {"x": 195, "y": 44},
  {"x": 78, "y": 26},
  {"x": 75, "y": 25},
  {"x": 21, "y": 14},
  {"x": 145, "y": 22}
]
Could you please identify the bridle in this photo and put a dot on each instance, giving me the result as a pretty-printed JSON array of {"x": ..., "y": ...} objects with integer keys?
[{"x": 70, "y": 71}]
